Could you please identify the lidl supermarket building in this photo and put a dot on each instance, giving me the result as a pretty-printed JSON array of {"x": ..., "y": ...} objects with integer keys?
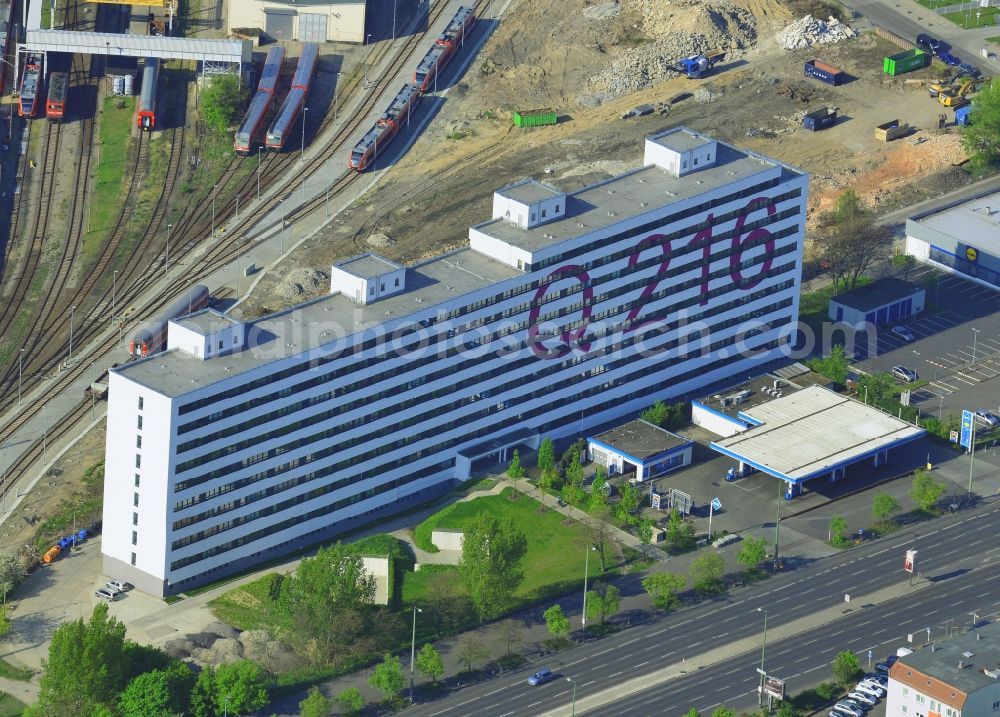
[{"x": 565, "y": 311}]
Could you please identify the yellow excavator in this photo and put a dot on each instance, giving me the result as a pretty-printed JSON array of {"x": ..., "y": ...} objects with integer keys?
[{"x": 956, "y": 96}]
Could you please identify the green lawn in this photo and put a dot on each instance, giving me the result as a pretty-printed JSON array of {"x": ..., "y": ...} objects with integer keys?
[
  {"x": 106, "y": 199},
  {"x": 994, "y": 40},
  {"x": 556, "y": 553},
  {"x": 12, "y": 672},
  {"x": 969, "y": 20}
]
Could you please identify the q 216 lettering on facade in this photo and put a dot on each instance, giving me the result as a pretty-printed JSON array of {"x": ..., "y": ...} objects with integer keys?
[{"x": 703, "y": 239}]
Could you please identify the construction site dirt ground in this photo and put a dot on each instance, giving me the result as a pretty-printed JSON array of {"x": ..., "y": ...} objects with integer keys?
[{"x": 444, "y": 183}]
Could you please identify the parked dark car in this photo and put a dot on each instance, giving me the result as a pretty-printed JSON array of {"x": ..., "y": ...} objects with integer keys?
[
  {"x": 949, "y": 59},
  {"x": 928, "y": 44},
  {"x": 971, "y": 70}
]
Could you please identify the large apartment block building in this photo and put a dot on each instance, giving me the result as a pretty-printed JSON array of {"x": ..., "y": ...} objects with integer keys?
[{"x": 565, "y": 311}]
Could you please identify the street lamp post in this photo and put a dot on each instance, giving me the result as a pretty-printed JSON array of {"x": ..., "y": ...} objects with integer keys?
[
  {"x": 975, "y": 334},
  {"x": 20, "y": 358},
  {"x": 336, "y": 93},
  {"x": 215, "y": 188},
  {"x": 972, "y": 453},
  {"x": 586, "y": 572},
  {"x": 166, "y": 250},
  {"x": 413, "y": 648},
  {"x": 282, "y": 227},
  {"x": 72, "y": 315},
  {"x": 763, "y": 647},
  {"x": 259, "y": 149},
  {"x": 777, "y": 522},
  {"x": 114, "y": 291},
  {"x": 394, "y": 20},
  {"x": 302, "y": 153},
  {"x": 237, "y": 206},
  {"x": 573, "y": 682},
  {"x": 368, "y": 54}
]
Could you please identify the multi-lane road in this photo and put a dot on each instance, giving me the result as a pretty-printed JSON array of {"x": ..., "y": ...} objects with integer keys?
[{"x": 708, "y": 655}]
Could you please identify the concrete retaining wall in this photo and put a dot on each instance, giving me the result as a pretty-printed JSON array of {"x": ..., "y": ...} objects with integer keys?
[{"x": 447, "y": 539}]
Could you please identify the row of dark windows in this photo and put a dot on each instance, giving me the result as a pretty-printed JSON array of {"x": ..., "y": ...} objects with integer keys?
[
  {"x": 531, "y": 286},
  {"x": 320, "y": 473},
  {"x": 683, "y": 214},
  {"x": 501, "y": 370},
  {"x": 644, "y": 390},
  {"x": 451, "y": 370},
  {"x": 416, "y": 363}
]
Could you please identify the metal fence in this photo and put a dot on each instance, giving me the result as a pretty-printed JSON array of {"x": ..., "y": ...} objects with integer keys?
[{"x": 962, "y": 7}]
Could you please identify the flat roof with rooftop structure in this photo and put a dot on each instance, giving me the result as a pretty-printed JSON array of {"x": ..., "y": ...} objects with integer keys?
[
  {"x": 529, "y": 191},
  {"x": 812, "y": 432},
  {"x": 631, "y": 195},
  {"x": 960, "y": 664},
  {"x": 368, "y": 266},
  {"x": 975, "y": 222},
  {"x": 319, "y": 324},
  {"x": 877, "y": 294},
  {"x": 206, "y": 321},
  {"x": 681, "y": 139},
  {"x": 117, "y": 45},
  {"x": 640, "y": 439}
]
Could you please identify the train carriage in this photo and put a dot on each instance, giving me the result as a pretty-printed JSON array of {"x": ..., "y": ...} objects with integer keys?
[
  {"x": 260, "y": 106},
  {"x": 30, "y": 87},
  {"x": 284, "y": 123},
  {"x": 444, "y": 47},
  {"x": 146, "y": 116},
  {"x": 55, "y": 105},
  {"x": 151, "y": 337},
  {"x": 386, "y": 127}
]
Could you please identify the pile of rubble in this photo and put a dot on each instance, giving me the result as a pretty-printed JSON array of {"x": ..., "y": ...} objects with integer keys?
[
  {"x": 706, "y": 26},
  {"x": 302, "y": 281},
  {"x": 809, "y": 31}
]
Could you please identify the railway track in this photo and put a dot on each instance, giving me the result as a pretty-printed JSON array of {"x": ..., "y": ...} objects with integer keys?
[{"x": 190, "y": 229}]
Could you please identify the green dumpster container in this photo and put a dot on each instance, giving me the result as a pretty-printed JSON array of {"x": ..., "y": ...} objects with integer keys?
[
  {"x": 904, "y": 62},
  {"x": 535, "y": 118}
]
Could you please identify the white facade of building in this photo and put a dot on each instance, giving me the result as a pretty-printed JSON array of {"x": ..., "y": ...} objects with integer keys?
[
  {"x": 648, "y": 285},
  {"x": 301, "y": 20}
]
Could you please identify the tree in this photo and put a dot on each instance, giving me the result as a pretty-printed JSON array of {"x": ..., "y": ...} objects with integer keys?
[
  {"x": 680, "y": 534},
  {"x": 598, "y": 496},
  {"x": 599, "y": 528},
  {"x": 850, "y": 241},
  {"x": 876, "y": 387},
  {"x": 752, "y": 553},
  {"x": 159, "y": 693},
  {"x": 203, "y": 694},
  {"x": 11, "y": 574},
  {"x": 350, "y": 700},
  {"x": 429, "y": 662},
  {"x": 490, "y": 567},
  {"x": 511, "y": 630},
  {"x": 221, "y": 102},
  {"x": 834, "y": 366},
  {"x": 556, "y": 621},
  {"x": 546, "y": 455},
  {"x": 388, "y": 677},
  {"x": 574, "y": 471},
  {"x": 322, "y": 598},
  {"x": 723, "y": 712},
  {"x": 602, "y": 602},
  {"x": 629, "y": 501},
  {"x": 316, "y": 704},
  {"x": 981, "y": 137},
  {"x": 655, "y": 414},
  {"x": 884, "y": 505},
  {"x": 86, "y": 668},
  {"x": 644, "y": 531},
  {"x": 470, "y": 650},
  {"x": 845, "y": 668},
  {"x": 838, "y": 527},
  {"x": 446, "y": 605},
  {"x": 515, "y": 471},
  {"x": 547, "y": 481},
  {"x": 706, "y": 574},
  {"x": 663, "y": 588},
  {"x": 926, "y": 492},
  {"x": 240, "y": 687},
  {"x": 693, "y": 713}
]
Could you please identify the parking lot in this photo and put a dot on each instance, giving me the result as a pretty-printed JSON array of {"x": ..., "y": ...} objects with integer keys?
[{"x": 956, "y": 347}]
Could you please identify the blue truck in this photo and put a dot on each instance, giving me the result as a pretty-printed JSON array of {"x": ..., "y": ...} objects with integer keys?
[{"x": 824, "y": 72}]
